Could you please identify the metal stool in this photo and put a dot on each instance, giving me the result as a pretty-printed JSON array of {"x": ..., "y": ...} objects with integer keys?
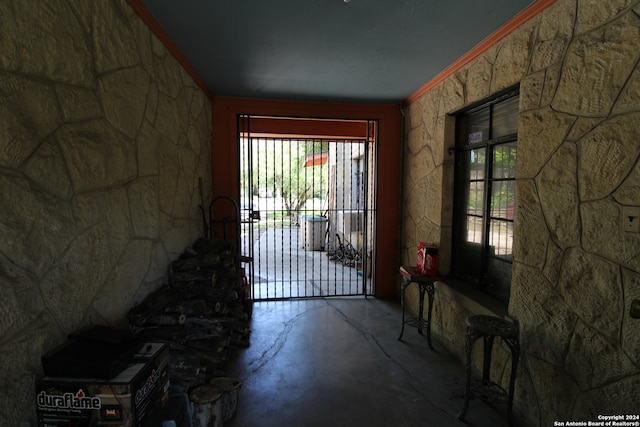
[
  {"x": 489, "y": 327},
  {"x": 425, "y": 283}
]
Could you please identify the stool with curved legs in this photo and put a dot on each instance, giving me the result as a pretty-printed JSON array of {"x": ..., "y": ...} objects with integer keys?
[{"x": 488, "y": 328}]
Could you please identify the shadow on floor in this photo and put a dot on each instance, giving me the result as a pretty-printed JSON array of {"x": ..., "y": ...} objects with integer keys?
[{"x": 337, "y": 362}]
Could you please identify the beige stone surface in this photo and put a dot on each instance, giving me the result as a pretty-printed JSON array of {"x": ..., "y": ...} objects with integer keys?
[
  {"x": 71, "y": 285},
  {"x": 553, "y": 388},
  {"x": 630, "y": 339},
  {"x": 479, "y": 80},
  {"x": 629, "y": 191},
  {"x": 553, "y": 35},
  {"x": 415, "y": 141},
  {"x": 575, "y": 270},
  {"x": 602, "y": 234},
  {"x": 452, "y": 96},
  {"x": 23, "y": 121},
  {"x": 619, "y": 397},
  {"x": 594, "y": 360},
  {"x": 103, "y": 141},
  {"x": 593, "y": 14},
  {"x": 533, "y": 128},
  {"x": 152, "y": 104},
  {"x": 607, "y": 155},
  {"x": 529, "y": 225},
  {"x": 167, "y": 116},
  {"x": 582, "y": 126},
  {"x": 97, "y": 156},
  {"x": 123, "y": 95},
  {"x": 169, "y": 76},
  {"x": 558, "y": 188},
  {"x": 32, "y": 220},
  {"x": 17, "y": 291},
  {"x": 597, "y": 66},
  {"x": 20, "y": 367},
  {"x": 117, "y": 291},
  {"x": 143, "y": 202},
  {"x": 513, "y": 58},
  {"x": 113, "y": 49},
  {"x": 41, "y": 49},
  {"x": 553, "y": 264},
  {"x": 78, "y": 103},
  {"x": 531, "y": 91},
  {"x": 629, "y": 99},
  {"x": 48, "y": 171},
  {"x": 177, "y": 234},
  {"x": 546, "y": 320},
  {"x": 592, "y": 287},
  {"x": 430, "y": 109},
  {"x": 551, "y": 81}
]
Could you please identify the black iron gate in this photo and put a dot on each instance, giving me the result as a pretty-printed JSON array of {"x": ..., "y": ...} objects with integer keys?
[{"x": 307, "y": 210}]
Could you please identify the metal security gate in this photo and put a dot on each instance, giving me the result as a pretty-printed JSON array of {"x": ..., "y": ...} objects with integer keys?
[{"x": 307, "y": 212}]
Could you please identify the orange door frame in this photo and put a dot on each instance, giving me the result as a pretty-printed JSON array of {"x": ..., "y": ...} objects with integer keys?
[{"x": 225, "y": 160}]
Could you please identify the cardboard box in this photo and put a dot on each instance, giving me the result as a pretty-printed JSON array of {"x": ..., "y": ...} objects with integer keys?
[
  {"x": 123, "y": 401},
  {"x": 156, "y": 354}
]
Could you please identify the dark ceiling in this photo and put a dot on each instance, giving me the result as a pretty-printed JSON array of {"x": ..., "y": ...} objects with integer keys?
[{"x": 327, "y": 50}]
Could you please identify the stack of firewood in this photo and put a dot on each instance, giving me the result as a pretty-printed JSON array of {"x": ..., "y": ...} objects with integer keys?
[{"x": 203, "y": 313}]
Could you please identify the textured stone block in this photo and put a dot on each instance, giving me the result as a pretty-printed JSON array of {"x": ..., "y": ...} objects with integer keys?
[
  {"x": 592, "y": 287},
  {"x": 534, "y": 127},
  {"x": 607, "y": 155},
  {"x": 558, "y": 188},
  {"x": 546, "y": 321},
  {"x": 124, "y": 96},
  {"x": 23, "y": 121},
  {"x": 96, "y": 155},
  {"x": 114, "y": 43},
  {"x": 38, "y": 49},
  {"x": 594, "y": 360},
  {"x": 554, "y": 34},
  {"x": 597, "y": 66}
]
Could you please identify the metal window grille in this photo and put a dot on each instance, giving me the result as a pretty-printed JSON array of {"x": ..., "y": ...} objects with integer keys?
[
  {"x": 485, "y": 172},
  {"x": 307, "y": 211}
]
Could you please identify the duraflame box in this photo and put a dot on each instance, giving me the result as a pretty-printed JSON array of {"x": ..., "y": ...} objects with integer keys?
[
  {"x": 427, "y": 259},
  {"x": 123, "y": 401},
  {"x": 156, "y": 354}
]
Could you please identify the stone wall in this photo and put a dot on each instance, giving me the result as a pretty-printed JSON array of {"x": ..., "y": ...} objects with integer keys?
[
  {"x": 575, "y": 272},
  {"x": 103, "y": 140}
]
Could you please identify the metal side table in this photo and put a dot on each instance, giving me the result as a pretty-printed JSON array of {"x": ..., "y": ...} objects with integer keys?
[
  {"x": 489, "y": 327},
  {"x": 425, "y": 284}
]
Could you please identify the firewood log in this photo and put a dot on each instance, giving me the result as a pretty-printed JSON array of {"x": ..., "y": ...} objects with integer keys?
[
  {"x": 190, "y": 308},
  {"x": 204, "y": 245},
  {"x": 153, "y": 304},
  {"x": 165, "y": 319}
]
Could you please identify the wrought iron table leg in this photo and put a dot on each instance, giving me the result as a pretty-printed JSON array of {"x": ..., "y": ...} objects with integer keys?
[
  {"x": 403, "y": 287},
  {"x": 420, "y": 307},
  {"x": 430, "y": 294}
]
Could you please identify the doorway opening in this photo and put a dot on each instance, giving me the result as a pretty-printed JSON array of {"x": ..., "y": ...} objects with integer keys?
[{"x": 307, "y": 206}]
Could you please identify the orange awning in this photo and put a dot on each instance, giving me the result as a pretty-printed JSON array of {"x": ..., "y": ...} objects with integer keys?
[{"x": 316, "y": 159}]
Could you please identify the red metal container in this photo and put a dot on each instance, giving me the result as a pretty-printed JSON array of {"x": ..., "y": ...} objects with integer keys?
[{"x": 427, "y": 259}]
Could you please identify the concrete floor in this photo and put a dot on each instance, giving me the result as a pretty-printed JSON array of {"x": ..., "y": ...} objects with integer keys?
[
  {"x": 283, "y": 269},
  {"x": 337, "y": 362}
]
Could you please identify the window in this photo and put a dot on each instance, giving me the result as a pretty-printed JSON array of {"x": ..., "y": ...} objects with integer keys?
[{"x": 484, "y": 194}]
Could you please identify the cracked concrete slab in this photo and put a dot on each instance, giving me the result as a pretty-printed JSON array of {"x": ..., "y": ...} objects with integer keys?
[{"x": 337, "y": 362}]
